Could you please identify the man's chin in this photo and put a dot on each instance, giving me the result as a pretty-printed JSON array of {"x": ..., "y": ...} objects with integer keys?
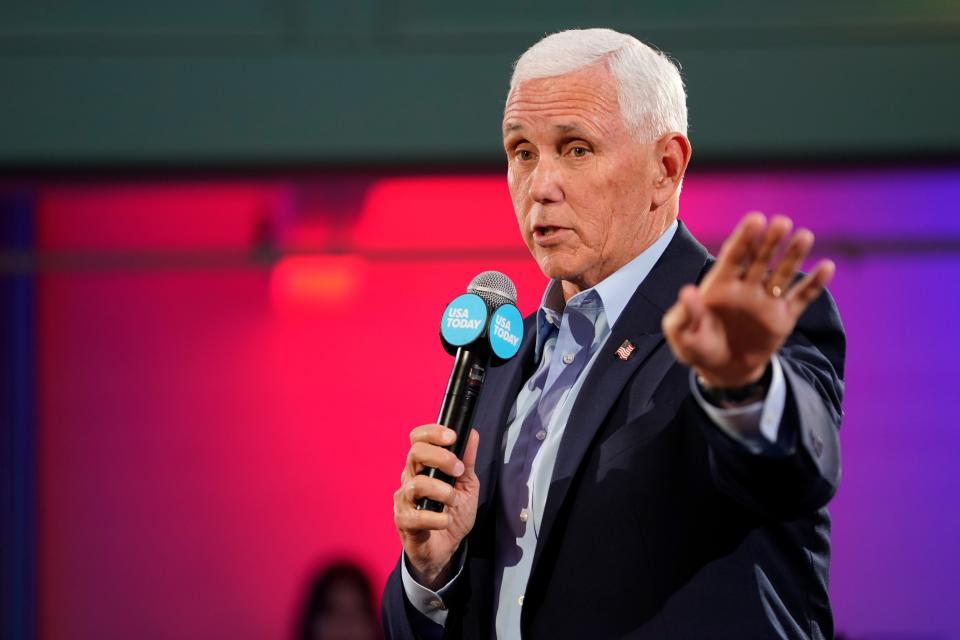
[{"x": 559, "y": 269}]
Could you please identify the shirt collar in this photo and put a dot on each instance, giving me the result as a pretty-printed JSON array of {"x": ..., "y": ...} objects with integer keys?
[{"x": 614, "y": 291}]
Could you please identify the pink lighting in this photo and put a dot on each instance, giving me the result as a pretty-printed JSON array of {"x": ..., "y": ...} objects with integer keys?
[
  {"x": 421, "y": 212},
  {"x": 207, "y": 435},
  {"x": 300, "y": 282}
]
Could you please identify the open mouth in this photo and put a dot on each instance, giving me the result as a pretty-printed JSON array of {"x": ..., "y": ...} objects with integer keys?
[{"x": 545, "y": 235}]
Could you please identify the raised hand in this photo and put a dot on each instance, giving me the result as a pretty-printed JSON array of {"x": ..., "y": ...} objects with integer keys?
[
  {"x": 430, "y": 539},
  {"x": 729, "y": 326}
]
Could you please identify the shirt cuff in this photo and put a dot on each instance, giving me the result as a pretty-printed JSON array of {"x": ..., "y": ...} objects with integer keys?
[
  {"x": 428, "y": 602},
  {"x": 754, "y": 425}
]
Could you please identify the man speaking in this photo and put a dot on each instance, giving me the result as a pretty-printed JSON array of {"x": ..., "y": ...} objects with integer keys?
[{"x": 656, "y": 461}]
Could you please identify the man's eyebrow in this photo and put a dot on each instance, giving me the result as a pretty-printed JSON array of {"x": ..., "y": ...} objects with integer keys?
[
  {"x": 569, "y": 128},
  {"x": 563, "y": 128}
]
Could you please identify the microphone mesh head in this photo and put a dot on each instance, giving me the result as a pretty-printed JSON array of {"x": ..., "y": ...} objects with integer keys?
[{"x": 495, "y": 288}]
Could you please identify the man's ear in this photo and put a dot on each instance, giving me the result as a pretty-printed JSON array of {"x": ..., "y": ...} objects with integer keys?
[{"x": 672, "y": 153}]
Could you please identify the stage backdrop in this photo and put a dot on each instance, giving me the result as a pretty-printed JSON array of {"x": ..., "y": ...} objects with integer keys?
[{"x": 228, "y": 370}]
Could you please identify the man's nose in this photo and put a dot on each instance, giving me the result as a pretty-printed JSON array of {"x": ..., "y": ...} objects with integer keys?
[{"x": 545, "y": 182}]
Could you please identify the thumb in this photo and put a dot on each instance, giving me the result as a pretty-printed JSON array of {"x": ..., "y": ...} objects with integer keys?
[
  {"x": 692, "y": 303},
  {"x": 684, "y": 314},
  {"x": 470, "y": 453}
]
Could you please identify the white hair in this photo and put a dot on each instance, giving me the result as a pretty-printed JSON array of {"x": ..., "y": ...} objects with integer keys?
[{"x": 649, "y": 88}]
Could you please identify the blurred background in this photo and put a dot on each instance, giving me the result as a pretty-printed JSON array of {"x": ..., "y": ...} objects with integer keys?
[{"x": 219, "y": 220}]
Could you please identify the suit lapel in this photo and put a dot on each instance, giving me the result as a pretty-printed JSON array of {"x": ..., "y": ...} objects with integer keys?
[{"x": 681, "y": 262}]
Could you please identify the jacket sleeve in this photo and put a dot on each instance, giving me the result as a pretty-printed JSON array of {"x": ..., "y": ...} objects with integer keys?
[
  {"x": 401, "y": 620},
  {"x": 801, "y": 472}
]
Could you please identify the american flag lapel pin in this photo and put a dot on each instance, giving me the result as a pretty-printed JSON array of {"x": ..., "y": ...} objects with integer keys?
[{"x": 625, "y": 350}]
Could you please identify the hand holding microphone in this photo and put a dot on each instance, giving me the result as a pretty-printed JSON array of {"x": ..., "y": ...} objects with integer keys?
[{"x": 436, "y": 504}]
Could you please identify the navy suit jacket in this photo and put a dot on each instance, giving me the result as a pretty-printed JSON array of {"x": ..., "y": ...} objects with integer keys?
[{"x": 657, "y": 524}]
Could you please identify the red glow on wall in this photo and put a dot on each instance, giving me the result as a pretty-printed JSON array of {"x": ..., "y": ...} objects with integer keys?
[
  {"x": 211, "y": 432},
  {"x": 437, "y": 211},
  {"x": 155, "y": 216},
  {"x": 318, "y": 282},
  {"x": 208, "y": 434}
]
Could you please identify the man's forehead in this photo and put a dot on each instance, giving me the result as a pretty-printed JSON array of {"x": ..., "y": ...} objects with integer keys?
[{"x": 586, "y": 93}]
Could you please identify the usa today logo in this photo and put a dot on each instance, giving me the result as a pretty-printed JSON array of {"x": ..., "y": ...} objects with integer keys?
[
  {"x": 506, "y": 331},
  {"x": 464, "y": 319}
]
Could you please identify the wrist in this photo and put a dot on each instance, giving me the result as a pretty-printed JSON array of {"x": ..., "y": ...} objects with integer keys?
[
  {"x": 747, "y": 390},
  {"x": 732, "y": 379},
  {"x": 433, "y": 577}
]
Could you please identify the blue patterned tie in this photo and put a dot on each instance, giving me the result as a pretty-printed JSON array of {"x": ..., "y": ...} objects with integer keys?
[{"x": 565, "y": 359}]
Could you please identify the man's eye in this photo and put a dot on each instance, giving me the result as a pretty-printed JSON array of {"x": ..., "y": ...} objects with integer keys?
[
  {"x": 523, "y": 154},
  {"x": 579, "y": 152}
]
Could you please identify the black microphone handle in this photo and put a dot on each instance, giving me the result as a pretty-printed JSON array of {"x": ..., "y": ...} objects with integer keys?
[{"x": 459, "y": 403}]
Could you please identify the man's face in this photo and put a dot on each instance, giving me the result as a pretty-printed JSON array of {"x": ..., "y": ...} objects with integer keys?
[{"x": 581, "y": 185}]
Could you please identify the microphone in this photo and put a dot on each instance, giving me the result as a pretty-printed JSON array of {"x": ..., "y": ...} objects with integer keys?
[{"x": 480, "y": 328}]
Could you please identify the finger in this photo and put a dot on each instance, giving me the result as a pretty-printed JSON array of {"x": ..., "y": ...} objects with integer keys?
[
  {"x": 673, "y": 321},
  {"x": 681, "y": 324},
  {"x": 425, "y": 487},
  {"x": 693, "y": 306},
  {"x": 470, "y": 453},
  {"x": 411, "y": 520},
  {"x": 797, "y": 249},
  {"x": 423, "y": 454},
  {"x": 738, "y": 247},
  {"x": 430, "y": 433},
  {"x": 812, "y": 285},
  {"x": 677, "y": 317},
  {"x": 434, "y": 434},
  {"x": 778, "y": 229}
]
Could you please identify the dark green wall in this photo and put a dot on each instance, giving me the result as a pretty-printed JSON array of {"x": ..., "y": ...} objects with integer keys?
[{"x": 256, "y": 82}]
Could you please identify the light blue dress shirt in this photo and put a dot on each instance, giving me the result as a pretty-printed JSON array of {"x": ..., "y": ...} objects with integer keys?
[{"x": 562, "y": 343}]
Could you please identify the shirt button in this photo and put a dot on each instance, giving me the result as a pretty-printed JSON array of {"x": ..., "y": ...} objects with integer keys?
[
  {"x": 541, "y": 435},
  {"x": 520, "y": 601},
  {"x": 436, "y": 603},
  {"x": 567, "y": 358},
  {"x": 524, "y": 515}
]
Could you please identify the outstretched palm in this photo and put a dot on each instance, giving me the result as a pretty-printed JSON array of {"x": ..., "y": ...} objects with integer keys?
[{"x": 729, "y": 326}]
